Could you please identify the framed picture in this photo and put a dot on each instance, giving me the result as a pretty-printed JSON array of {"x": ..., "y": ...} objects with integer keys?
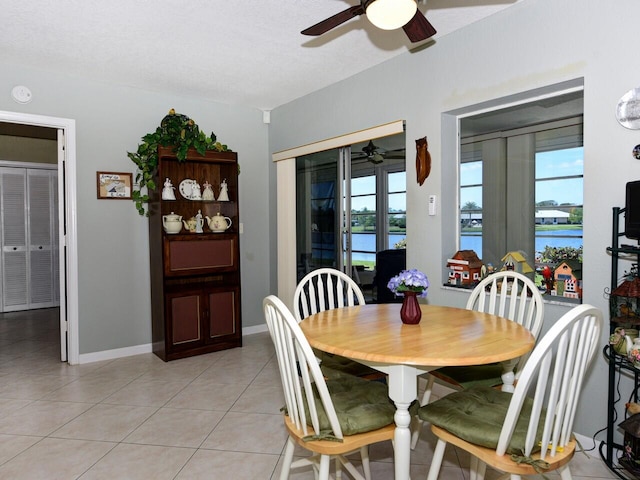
[{"x": 114, "y": 185}]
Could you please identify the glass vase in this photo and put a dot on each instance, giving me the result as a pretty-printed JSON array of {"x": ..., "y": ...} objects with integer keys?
[{"x": 410, "y": 312}]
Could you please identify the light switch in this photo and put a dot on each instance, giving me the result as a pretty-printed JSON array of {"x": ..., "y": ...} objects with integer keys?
[{"x": 432, "y": 204}]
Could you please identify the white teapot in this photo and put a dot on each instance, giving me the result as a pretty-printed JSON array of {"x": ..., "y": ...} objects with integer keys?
[
  {"x": 191, "y": 224},
  {"x": 172, "y": 223},
  {"x": 218, "y": 223}
]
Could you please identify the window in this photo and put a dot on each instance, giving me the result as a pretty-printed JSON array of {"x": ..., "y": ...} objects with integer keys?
[
  {"x": 363, "y": 220},
  {"x": 521, "y": 190},
  {"x": 378, "y": 222},
  {"x": 396, "y": 209}
]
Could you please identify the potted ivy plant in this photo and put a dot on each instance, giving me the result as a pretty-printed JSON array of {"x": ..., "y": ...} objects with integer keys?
[{"x": 177, "y": 131}]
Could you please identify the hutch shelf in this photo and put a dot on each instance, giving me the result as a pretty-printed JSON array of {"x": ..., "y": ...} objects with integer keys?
[{"x": 195, "y": 277}]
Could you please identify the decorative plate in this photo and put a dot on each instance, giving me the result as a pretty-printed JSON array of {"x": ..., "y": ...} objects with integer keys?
[
  {"x": 185, "y": 188},
  {"x": 628, "y": 109}
]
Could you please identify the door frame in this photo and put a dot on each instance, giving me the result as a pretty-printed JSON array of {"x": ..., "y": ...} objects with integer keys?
[{"x": 67, "y": 225}]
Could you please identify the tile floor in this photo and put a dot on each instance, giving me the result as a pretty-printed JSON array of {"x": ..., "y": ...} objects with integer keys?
[{"x": 214, "y": 416}]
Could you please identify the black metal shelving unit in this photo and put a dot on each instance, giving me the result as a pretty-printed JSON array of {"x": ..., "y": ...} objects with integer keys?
[
  {"x": 618, "y": 364},
  {"x": 610, "y": 450}
]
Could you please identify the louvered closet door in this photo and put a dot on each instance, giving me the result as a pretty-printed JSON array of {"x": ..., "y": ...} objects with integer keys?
[
  {"x": 55, "y": 241},
  {"x": 40, "y": 233},
  {"x": 14, "y": 239}
]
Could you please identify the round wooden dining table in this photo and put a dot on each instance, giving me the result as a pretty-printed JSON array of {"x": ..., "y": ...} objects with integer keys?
[{"x": 446, "y": 336}]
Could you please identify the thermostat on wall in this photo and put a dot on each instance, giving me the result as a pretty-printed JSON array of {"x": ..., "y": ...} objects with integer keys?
[{"x": 21, "y": 94}]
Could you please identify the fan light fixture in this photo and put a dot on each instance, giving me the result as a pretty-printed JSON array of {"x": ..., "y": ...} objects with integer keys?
[{"x": 391, "y": 14}]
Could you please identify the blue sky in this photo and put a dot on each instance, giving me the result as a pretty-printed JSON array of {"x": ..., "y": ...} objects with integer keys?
[
  {"x": 367, "y": 185},
  {"x": 558, "y": 163}
]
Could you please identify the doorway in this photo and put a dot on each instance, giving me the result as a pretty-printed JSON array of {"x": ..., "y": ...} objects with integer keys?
[
  {"x": 351, "y": 205},
  {"x": 65, "y": 134}
]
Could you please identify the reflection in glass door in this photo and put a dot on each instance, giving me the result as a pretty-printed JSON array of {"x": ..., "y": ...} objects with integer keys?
[{"x": 317, "y": 197}]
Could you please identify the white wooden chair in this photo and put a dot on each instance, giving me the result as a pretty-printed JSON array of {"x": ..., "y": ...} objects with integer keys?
[
  {"x": 529, "y": 431},
  {"x": 507, "y": 294},
  {"x": 311, "y": 409},
  {"x": 324, "y": 289}
]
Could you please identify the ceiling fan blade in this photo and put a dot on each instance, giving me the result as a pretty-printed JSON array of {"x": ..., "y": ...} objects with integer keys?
[
  {"x": 419, "y": 28},
  {"x": 332, "y": 22},
  {"x": 393, "y": 154}
]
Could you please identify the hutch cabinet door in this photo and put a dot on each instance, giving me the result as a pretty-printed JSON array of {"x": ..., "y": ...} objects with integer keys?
[
  {"x": 223, "y": 308},
  {"x": 184, "y": 319}
]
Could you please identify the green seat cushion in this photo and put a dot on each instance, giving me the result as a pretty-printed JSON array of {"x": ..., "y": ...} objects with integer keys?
[
  {"x": 361, "y": 405},
  {"x": 343, "y": 364},
  {"x": 477, "y": 414},
  {"x": 476, "y": 375}
]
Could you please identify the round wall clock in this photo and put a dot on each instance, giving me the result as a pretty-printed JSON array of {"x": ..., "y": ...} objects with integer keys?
[{"x": 628, "y": 109}]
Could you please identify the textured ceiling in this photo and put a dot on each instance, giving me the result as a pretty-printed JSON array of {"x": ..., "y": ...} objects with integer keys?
[{"x": 246, "y": 52}]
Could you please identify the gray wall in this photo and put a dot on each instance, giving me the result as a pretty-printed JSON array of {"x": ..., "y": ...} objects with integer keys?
[
  {"x": 530, "y": 45},
  {"x": 114, "y": 293}
]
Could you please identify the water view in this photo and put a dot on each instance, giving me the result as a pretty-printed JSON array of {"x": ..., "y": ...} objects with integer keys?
[
  {"x": 367, "y": 242},
  {"x": 546, "y": 238},
  {"x": 472, "y": 241}
]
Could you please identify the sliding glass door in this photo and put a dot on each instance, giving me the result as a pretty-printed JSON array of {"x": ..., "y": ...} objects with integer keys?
[
  {"x": 318, "y": 212},
  {"x": 351, "y": 203}
]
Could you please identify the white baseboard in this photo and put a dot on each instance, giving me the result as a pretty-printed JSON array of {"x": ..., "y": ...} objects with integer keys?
[
  {"x": 115, "y": 353},
  {"x": 255, "y": 329},
  {"x": 148, "y": 348}
]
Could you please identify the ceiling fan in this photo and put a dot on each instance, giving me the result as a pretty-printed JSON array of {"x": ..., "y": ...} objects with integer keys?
[
  {"x": 384, "y": 14},
  {"x": 375, "y": 154}
]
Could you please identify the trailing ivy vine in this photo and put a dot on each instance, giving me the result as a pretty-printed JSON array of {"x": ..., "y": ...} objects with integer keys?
[{"x": 175, "y": 130}]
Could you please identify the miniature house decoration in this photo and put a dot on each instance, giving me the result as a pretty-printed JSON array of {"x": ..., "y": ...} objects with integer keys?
[
  {"x": 464, "y": 268},
  {"x": 624, "y": 303},
  {"x": 516, "y": 261},
  {"x": 568, "y": 279},
  {"x": 631, "y": 456}
]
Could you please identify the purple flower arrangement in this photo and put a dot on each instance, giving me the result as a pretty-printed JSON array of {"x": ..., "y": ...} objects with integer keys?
[{"x": 412, "y": 280}]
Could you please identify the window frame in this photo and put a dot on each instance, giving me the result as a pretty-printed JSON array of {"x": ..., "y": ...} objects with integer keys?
[{"x": 450, "y": 137}]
